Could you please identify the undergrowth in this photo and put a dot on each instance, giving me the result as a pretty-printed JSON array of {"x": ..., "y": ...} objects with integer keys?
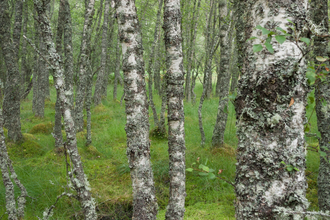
[{"x": 42, "y": 169}]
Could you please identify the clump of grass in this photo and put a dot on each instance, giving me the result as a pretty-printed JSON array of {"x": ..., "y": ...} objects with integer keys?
[
  {"x": 100, "y": 108},
  {"x": 225, "y": 150},
  {"x": 157, "y": 133},
  {"x": 26, "y": 149},
  {"x": 42, "y": 128}
]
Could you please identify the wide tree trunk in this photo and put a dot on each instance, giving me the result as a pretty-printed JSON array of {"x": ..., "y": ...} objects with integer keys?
[
  {"x": 11, "y": 103},
  {"x": 100, "y": 77},
  {"x": 270, "y": 112},
  {"x": 175, "y": 95},
  {"x": 77, "y": 176},
  {"x": 137, "y": 114},
  {"x": 81, "y": 90},
  {"x": 322, "y": 96}
]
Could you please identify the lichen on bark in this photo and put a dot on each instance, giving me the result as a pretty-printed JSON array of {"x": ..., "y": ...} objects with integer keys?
[
  {"x": 137, "y": 125},
  {"x": 270, "y": 112},
  {"x": 175, "y": 94}
]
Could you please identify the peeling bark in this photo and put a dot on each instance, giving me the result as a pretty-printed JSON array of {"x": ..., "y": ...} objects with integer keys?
[
  {"x": 270, "y": 112},
  {"x": 175, "y": 94},
  {"x": 137, "y": 115}
]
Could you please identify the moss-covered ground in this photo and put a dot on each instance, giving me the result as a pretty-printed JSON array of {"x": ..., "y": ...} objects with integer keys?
[{"x": 43, "y": 170}]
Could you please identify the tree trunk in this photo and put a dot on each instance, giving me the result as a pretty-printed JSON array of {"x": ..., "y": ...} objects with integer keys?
[
  {"x": 58, "y": 113},
  {"x": 191, "y": 50},
  {"x": 24, "y": 67},
  {"x": 175, "y": 95},
  {"x": 77, "y": 176},
  {"x": 224, "y": 81},
  {"x": 8, "y": 173},
  {"x": 137, "y": 126},
  {"x": 12, "y": 99},
  {"x": 81, "y": 90},
  {"x": 100, "y": 77},
  {"x": 17, "y": 26},
  {"x": 270, "y": 112},
  {"x": 322, "y": 97},
  {"x": 117, "y": 69},
  {"x": 151, "y": 61}
]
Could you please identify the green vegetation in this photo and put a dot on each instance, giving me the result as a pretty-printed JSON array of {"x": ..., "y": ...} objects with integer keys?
[{"x": 43, "y": 171}]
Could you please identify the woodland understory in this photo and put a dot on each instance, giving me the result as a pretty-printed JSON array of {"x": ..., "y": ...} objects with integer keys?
[{"x": 164, "y": 109}]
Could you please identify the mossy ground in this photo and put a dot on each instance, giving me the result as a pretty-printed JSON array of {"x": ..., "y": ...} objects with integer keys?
[{"x": 42, "y": 169}]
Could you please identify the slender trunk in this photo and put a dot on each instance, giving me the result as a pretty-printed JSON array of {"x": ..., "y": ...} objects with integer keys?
[
  {"x": 77, "y": 175},
  {"x": 24, "y": 67},
  {"x": 17, "y": 26},
  {"x": 175, "y": 95},
  {"x": 81, "y": 90},
  {"x": 12, "y": 99},
  {"x": 89, "y": 104},
  {"x": 161, "y": 124},
  {"x": 151, "y": 60},
  {"x": 191, "y": 51},
  {"x": 322, "y": 97},
  {"x": 15, "y": 210},
  {"x": 58, "y": 113},
  {"x": 156, "y": 67},
  {"x": 68, "y": 61},
  {"x": 224, "y": 81},
  {"x": 117, "y": 70},
  {"x": 137, "y": 126},
  {"x": 234, "y": 67},
  {"x": 40, "y": 80},
  {"x": 100, "y": 77},
  {"x": 270, "y": 112}
]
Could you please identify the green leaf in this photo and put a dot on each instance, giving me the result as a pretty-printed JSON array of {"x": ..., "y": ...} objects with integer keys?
[
  {"x": 251, "y": 38},
  {"x": 323, "y": 154},
  {"x": 189, "y": 169},
  {"x": 232, "y": 96},
  {"x": 289, "y": 21},
  {"x": 225, "y": 109},
  {"x": 211, "y": 176},
  {"x": 282, "y": 162},
  {"x": 280, "y": 29},
  {"x": 310, "y": 74},
  {"x": 201, "y": 166},
  {"x": 296, "y": 169},
  {"x": 269, "y": 47},
  {"x": 211, "y": 170},
  {"x": 306, "y": 40},
  {"x": 289, "y": 168},
  {"x": 311, "y": 99},
  {"x": 318, "y": 134},
  {"x": 306, "y": 128},
  {"x": 264, "y": 30},
  {"x": 280, "y": 38},
  {"x": 269, "y": 38},
  {"x": 321, "y": 59},
  {"x": 193, "y": 163},
  {"x": 257, "y": 48},
  {"x": 203, "y": 174},
  {"x": 206, "y": 169}
]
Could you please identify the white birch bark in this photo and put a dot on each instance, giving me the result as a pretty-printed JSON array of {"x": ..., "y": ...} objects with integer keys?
[
  {"x": 270, "y": 112},
  {"x": 175, "y": 93},
  {"x": 137, "y": 115}
]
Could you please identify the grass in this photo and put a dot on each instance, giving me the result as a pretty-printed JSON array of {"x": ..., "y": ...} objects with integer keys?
[{"x": 43, "y": 172}]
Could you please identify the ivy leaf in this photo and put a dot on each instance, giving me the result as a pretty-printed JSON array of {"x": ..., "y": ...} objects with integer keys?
[
  {"x": 280, "y": 38},
  {"x": 189, "y": 169},
  {"x": 321, "y": 59},
  {"x": 306, "y": 40},
  {"x": 257, "y": 48},
  {"x": 264, "y": 30},
  {"x": 269, "y": 47}
]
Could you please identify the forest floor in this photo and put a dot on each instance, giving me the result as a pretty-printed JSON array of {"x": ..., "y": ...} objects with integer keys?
[{"x": 43, "y": 171}]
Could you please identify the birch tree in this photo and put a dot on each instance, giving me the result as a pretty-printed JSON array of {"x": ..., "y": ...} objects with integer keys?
[
  {"x": 77, "y": 176},
  {"x": 175, "y": 93},
  {"x": 137, "y": 125},
  {"x": 11, "y": 103},
  {"x": 319, "y": 11},
  {"x": 270, "y": 112},
  {"x": 81, "y": 90}
]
